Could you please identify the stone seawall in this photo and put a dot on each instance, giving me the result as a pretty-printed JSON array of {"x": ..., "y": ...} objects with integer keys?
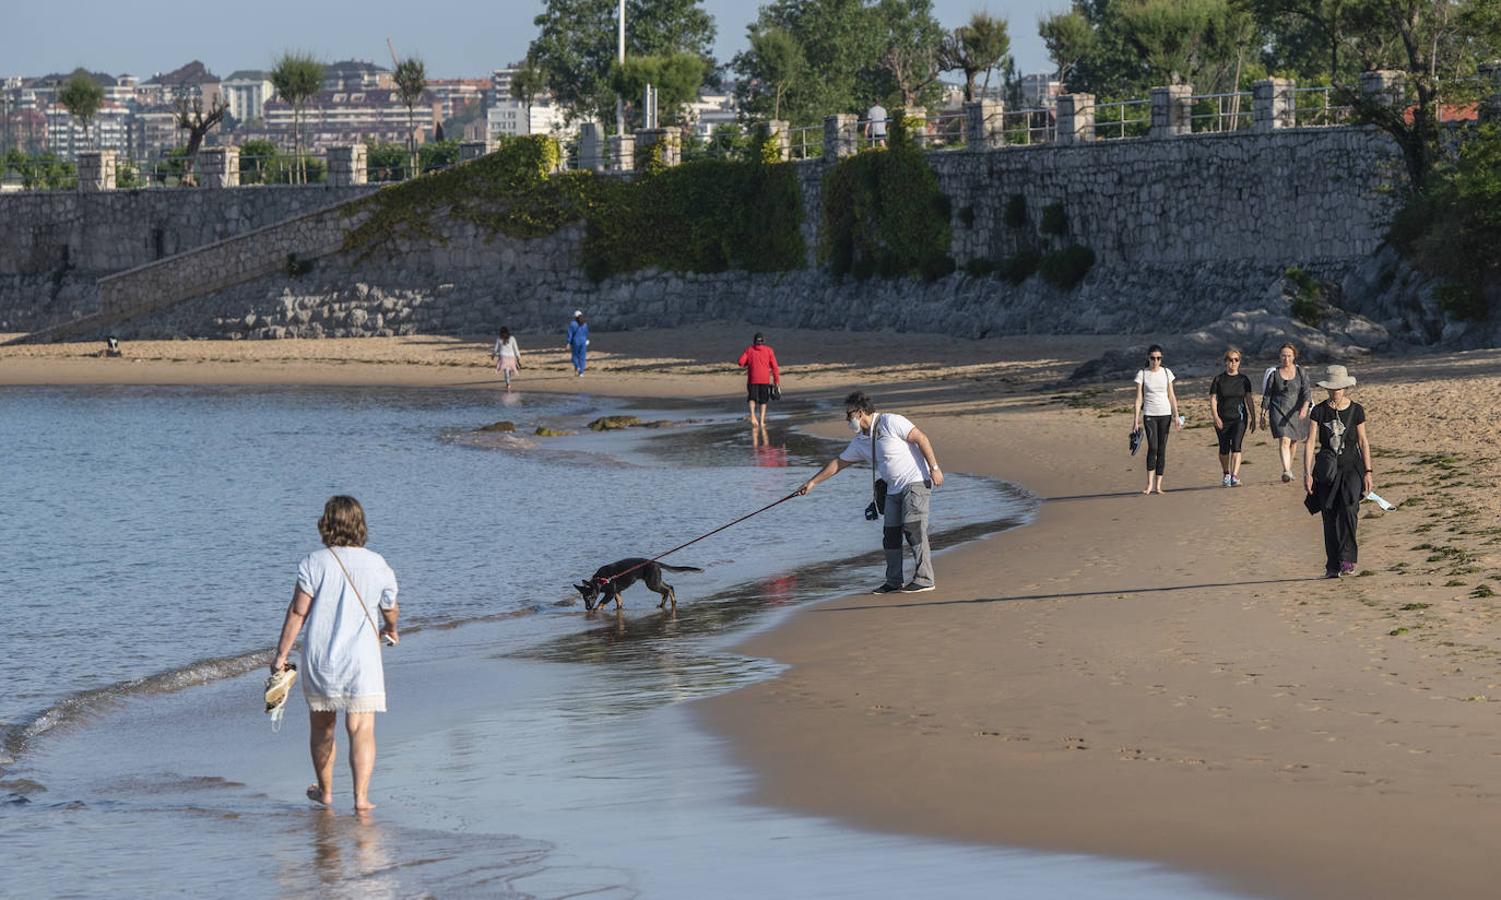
[
  {"x": 56, "y": 244},
  {"x": 1184, "y": 231}
]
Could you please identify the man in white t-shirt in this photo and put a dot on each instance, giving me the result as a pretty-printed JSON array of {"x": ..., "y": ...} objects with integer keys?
[
  {"x": 906, "y": 462},
  {"x": 875, "y": 125}
]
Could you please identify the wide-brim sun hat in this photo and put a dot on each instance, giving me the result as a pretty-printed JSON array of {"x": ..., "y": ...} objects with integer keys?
[{"x": 1337, "y": 378}]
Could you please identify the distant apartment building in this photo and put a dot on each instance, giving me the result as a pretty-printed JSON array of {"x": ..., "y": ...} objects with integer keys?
[
  {"x": 108, "y": 130},
  {"x": 154, "y": 132},
  {"x": 710, "y": 111},
  {"x": 500, "y": 83},
  {"x": 356, "y": 75},
  {"x": 191, "y": 82},
  {"x": 246, "y": 92},
  {"x": 512, "y": 118},
  {"x": 333, "y": 118},
  {"x": 1040, "y": 91},
  {"x": 454, "y": 94}
]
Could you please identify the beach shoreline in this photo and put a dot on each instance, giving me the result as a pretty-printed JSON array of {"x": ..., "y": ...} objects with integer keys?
[{"x": 1156, "y": 678}]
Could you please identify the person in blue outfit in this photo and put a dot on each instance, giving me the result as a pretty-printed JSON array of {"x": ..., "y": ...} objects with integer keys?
[{"x": 578, "y": 341}]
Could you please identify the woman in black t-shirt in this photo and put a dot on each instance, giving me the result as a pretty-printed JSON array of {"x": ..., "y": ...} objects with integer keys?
[
  {"x": 1340, "y": 475},
  {"x": 1230, "y": 403}
]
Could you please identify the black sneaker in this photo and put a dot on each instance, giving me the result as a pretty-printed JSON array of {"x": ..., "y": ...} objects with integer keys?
[
  {"x": 887, "y": 589},
  {"x": 1331, "y": 573},
  {"x": 915, "y": 588}
]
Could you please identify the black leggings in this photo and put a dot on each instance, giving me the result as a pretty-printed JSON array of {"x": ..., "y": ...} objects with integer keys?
[
  {"x": 1231, "y": 436},
  {"x": 1157, "y": 428}
]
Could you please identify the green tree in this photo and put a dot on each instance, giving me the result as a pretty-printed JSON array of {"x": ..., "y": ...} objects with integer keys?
[
  {"x": 575, "y": 47},
  {"x": 1070, "y": 39},
  {"x": 677, "y": 79},
  {"x": 842, "y": 43},
  {"x": 912, "y": 47},
  {"x": 438, "y": 155},
  {"x": 1197, "y": 42},
  {"x": 527, "y": 85},
  {"x": 976, "y": 47},
  {"x": 387, "y": 162},
  {"x": 728, "y": 141},
  {"x": 82, "y": 98},
  {"x": 1434, "y": 44},
  {"x": 779, "y": 63},
  {"x": 297, "y": 78},
  {"x": 411, "y": 85}
]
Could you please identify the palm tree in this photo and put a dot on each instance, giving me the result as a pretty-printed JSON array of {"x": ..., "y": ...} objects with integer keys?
[
  {"x": 974, "y": 48},
  {"x": 297, "y": 77},
  {"x": 411, "y": 84},
  {"x": 82, "y": 97}
]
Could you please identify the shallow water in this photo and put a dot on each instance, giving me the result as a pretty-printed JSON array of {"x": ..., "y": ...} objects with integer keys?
[{"x": 531, "y": 750}]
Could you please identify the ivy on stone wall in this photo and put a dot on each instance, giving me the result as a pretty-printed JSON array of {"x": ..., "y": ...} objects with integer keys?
[
  {"x": 883, "y": 213},
  {"x": 704, "y": 216},
  {"x": 507, "y": 191}
]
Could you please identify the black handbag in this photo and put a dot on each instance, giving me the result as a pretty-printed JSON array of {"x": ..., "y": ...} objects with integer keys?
[{"x": 776, "y": 390}]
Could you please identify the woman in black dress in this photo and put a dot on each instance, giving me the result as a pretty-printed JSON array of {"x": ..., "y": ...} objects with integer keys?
[{"x": 1340, "y": 475}]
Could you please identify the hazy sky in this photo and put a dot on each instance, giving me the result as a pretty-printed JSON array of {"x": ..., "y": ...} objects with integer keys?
[{"x": 455, "y": 37}]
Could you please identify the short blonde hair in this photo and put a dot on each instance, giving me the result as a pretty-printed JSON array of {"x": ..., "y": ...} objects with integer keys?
[
  {"x": 343, "y": 522},
  {"x": 1232, "y": 351}
]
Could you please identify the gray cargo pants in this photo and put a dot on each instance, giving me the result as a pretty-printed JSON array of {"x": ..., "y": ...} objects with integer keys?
[{"x": 907, "y": 516}]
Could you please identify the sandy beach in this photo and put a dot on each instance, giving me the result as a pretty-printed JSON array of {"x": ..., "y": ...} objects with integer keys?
[{"x": 1160, "y": 678}]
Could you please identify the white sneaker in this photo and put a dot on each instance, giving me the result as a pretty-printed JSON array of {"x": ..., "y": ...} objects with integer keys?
[
  {"x": 1225, "y": 482},
  {"x": 1234, "y": 482}
]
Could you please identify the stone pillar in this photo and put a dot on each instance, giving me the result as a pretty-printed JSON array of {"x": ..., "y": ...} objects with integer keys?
[
  {"x": 1383, "y": 87},
  {"x": 1490, "y": 105},
  {"x": 669, "y": 139},
  {"x": 592, "y": 155},
  {"x": 779, "y": 133},
  {"x": 96, "y": 170},
  {"x": 346, "y": 165},
  {"x": 1075, "y": 118},
  {"x": 1273, "y": 104},
  {"x": 1172, "y": 111},
  {"x": 623, "y": 153},
  {"x": 219, "y": 167},
  {"x": 983, "y": 125},
  {"x": 473, "y": 150},
  {"x": 841, "y": 136}
]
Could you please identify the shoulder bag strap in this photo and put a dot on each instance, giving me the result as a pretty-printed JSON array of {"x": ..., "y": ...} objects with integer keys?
[
  {"x": 875, "y": 424},
  {"x": 368, "y": 618}
]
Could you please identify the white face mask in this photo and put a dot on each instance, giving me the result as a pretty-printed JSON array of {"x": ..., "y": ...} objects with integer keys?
[{"x": 854, "y": 423}]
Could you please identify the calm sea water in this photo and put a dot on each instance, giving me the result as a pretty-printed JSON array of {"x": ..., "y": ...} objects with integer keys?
[{"x": 150, "y": 539}]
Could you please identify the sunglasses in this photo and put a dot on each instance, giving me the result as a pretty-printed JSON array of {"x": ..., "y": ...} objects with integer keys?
[
  {"x": 1232, "y": 359},
  {"x": 1154, "y": 358}
]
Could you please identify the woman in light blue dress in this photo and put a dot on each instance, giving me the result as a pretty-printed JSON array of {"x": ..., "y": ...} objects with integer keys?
[{"x": 341, "y": 589}]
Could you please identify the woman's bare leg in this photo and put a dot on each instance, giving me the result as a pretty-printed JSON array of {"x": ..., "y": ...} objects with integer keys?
[
  {"x": 324, "y": 749},
  {"x": 361, "y": 727},
  {"x": 1285, "y": 450}
]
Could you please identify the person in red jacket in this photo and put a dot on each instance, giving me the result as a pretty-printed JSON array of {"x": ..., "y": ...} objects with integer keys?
[{"x": 760, "y": 363}]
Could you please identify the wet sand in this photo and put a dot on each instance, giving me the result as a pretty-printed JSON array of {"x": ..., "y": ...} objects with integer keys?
[{"x": 1161, "y": 678}]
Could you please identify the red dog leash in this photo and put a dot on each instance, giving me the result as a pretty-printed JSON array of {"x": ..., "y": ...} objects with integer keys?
[{"x": 695, "y": 540}]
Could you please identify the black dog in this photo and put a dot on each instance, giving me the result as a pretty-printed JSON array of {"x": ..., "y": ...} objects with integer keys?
[{"x": 610, "y": 580}]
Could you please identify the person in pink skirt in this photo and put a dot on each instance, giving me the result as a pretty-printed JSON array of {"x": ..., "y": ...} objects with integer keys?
[{"x": 507, "y": 355}]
